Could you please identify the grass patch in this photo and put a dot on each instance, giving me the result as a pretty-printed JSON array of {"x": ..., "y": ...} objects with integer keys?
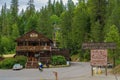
[
  {"x": 116, "y": 70},
  {"x": 75, "y": 57}
]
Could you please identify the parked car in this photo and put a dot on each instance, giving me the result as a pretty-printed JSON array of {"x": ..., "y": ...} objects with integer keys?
[
  {"x": 109, "y": 65},
  {"x": 17, "y": 67}
]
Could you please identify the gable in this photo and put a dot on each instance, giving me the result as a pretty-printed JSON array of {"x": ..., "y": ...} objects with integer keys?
[{"x": 33, "y": 36}]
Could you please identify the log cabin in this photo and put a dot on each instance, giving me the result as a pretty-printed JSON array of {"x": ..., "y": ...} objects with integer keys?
[{"x": 37, "y": 47}]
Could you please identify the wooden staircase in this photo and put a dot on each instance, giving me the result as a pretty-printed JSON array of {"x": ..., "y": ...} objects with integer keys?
[{"x": 31, "y": 63}]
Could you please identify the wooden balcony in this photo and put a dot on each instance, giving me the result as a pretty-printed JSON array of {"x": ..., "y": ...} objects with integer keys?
[{"x": 33, "y": 48}]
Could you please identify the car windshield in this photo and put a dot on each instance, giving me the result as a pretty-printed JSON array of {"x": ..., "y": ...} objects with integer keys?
[{"x": 17, "y": 64}]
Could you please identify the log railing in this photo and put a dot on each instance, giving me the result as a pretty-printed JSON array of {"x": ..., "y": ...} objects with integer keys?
[{"x": 32, "y": 48}]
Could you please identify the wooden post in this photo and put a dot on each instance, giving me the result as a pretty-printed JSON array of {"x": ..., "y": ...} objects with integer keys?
[
  {"x": 92, "y": 70},
  {"x": 114, "y": 62},
  {"x": 56, "y": 75},
  {"x": 106, "y": 70}
]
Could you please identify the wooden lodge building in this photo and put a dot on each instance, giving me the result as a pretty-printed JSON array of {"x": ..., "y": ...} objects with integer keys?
[{"x": 37, "y": 47}]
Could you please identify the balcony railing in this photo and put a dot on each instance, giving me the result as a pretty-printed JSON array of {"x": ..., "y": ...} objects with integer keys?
[{"x": 33, "y": 48}]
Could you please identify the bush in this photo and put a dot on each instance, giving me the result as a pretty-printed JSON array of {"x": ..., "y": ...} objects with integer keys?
[
  {"x": 8, "y": 63},
  {"x": 58, "y": 60},
  {"x": 21, "y": 60}
]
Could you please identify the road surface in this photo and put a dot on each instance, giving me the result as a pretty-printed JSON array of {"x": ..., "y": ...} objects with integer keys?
[{"x": 77, "y": 71}]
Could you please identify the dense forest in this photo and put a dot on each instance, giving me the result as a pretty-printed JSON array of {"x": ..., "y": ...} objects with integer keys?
[{"x": 72, "y": 24}]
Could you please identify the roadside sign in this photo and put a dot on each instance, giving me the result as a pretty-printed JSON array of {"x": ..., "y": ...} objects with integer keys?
[
  {"x": 99, "y": 53},
  {"x": 99, "y": 57},
  {"x": 99, "y": 45}
]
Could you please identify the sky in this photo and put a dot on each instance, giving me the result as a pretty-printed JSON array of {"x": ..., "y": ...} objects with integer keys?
[{"x": 23, "y": 3}]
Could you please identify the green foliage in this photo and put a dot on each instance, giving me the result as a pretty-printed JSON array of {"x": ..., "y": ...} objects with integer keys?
[
  {"x": 58, "y": 60},
  {"x": 113, "y": 36},
  {"x": 66, "y": 26},
  {"x": 97, "y": 12},
  {"x": 14, "y": 11},
  {"x": 95, "y": 32},
  {"x": 83, "y": 22},
  {"x": 21, "y": 60},
  {"x": 79, "y": 27},
  {"x": 15, "y": 31},
  {"x": 55, "y": 19},
  {"x": 7, "y": 44},
  {"x": 9, "y": 62}
]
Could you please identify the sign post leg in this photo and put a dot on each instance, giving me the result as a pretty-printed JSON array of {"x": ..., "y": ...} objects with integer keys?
[
  {"x": 56, "y": 75},
  {"x": 106, "y": 70},
  {"x": 92, "y": 70}
]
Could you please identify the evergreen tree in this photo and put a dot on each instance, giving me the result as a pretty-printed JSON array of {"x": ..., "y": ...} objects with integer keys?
[
  {"x": 30, "y": 17},
  {"x": 95, "y": 32},
  {"x": 55, "y": 21},
  {"x": 31, "y": 23},
  {"x": 66, "y": 25},
  {"x": 97, "y": 10},
  {"x": 0, "y": 45},
  {"x": 22, "y": 22},
  {"x": 112, "y": 15},
  {"x": 15, "y": 31},
  {"x": 7, "y": 44},
  {"x": 113, "y": 36},
  {"x": 59, "y": 8},
  {"x": 5, "y": 21},
  {"x": 31, "y": 7},
  {"x": 14, "y": 11},
  {"x": 79, "y": 26},
  {"x": 50, "y": 7},
  {"x": 44, "y": 23},
  {"x": 114, "y": 18}
]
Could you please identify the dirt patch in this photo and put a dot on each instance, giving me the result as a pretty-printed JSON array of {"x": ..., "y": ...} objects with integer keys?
[
  {"x": 75, "y": 58},
  {"x": 116, "y": 70},
  {"x": 9, "y": 55}
]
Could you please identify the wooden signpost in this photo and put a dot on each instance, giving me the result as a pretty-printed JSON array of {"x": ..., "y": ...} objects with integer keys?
[
  {"x": 99, "y": 58},
  {"x": 99, "y": 53},
  {"x": 56, "y": 75}
]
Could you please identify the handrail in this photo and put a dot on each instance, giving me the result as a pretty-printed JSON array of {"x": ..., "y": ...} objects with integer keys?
[{"x": 32, "y": 48}]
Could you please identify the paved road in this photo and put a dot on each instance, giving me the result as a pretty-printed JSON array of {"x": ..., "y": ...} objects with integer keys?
[{"x": 77, "y": 71}]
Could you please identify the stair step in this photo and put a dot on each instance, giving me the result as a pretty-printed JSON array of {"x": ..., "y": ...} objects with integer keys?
[{"x": 31, "y": 64}]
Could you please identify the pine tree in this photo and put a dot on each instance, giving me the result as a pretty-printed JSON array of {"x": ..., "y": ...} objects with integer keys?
[
  {"x": 79, "y": 26},
  {"x": 5, "y": 21},
  {"x": 97, "y": 12},
  {"x": 50, "y": 7},
  {"x": 66, "y": 25},
  {"x": 30, "y": 16},
  {"x": 22, "y": 22},
  {"x": 112, "y": 15},
  {"x": 14, "y": 11},
  {"x": 113, "y": 36},
  {"x": 44, "y": 23},
  {"x": 59, "y": 8},
  {"x": 95, "y": 32},
  {"x": 15, "y": 31},
  {"x": 31, "y": 7}
]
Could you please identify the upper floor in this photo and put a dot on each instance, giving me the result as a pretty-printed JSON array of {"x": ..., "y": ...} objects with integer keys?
[{"x": 33, "y": 41}]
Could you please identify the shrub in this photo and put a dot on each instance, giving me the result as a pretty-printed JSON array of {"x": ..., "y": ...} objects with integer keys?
[
  {"x": 21, "y": 60},
  {"x": 8, "y": 63},
  {"x": 58, "y": 60}
]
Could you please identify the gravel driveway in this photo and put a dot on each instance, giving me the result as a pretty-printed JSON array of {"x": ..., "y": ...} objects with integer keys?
[{"x": 77, "y": 71}]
